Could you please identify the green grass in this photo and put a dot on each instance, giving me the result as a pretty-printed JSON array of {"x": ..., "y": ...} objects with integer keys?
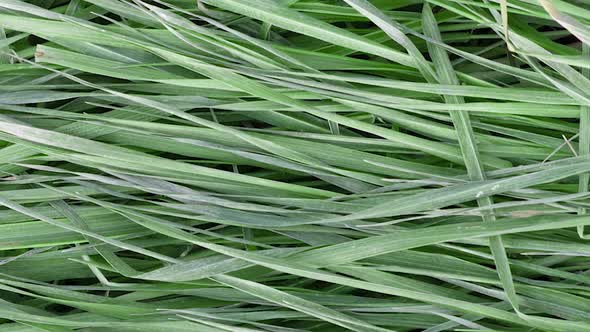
[{"x": 289, "y": 166}]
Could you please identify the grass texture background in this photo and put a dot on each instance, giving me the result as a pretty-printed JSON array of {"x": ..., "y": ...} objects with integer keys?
[{"x": 289, "y": 166}]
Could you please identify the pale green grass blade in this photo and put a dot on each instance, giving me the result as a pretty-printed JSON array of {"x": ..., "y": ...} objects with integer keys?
[{"x": 469, "y": 149}]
